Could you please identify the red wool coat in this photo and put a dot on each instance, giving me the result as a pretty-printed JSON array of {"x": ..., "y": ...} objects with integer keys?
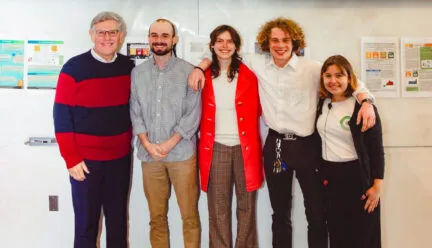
[{"x": 248, "y": 110}]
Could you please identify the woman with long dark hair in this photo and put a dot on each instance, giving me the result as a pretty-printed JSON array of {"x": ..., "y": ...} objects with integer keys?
[{"x": 229, "y": 151}]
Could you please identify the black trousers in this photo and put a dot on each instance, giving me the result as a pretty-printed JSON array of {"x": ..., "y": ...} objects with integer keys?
[
  {"x": 349, "y": 224},
  {"x": 106, "y": 186},
  {"x": 302, "y": 156}
]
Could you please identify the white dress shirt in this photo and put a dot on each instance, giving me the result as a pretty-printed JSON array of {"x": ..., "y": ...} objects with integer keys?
[
  {"x": 99, "y": 58},
  {"x": 288, "y": 95}
]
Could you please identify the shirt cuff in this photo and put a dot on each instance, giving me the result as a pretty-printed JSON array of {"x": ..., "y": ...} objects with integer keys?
[
  {"x": 182, "y": 133},
  {"x": 138, "y": 129}
]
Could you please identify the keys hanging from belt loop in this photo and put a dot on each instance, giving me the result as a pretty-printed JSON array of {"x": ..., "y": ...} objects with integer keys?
[{"x": 278, "y": 165}]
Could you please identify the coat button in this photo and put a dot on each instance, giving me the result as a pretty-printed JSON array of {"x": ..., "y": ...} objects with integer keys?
[
  {"x": 247, "y": 148},
  {"x": 240, "y": 103},
  {"x": 241, "y": 118},
  {"x": 243, "y": 133}
]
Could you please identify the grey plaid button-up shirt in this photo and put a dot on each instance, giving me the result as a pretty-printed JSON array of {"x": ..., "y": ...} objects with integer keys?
[{"x": 162, "y": 104}]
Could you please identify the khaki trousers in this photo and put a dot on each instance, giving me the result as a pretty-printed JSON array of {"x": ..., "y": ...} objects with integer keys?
[
  {"x": 227, "y": 170},
  {"x": 157, "y": 179}
]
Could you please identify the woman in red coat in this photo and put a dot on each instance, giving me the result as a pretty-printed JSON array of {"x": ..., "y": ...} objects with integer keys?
[{"x": 229, "y": 150}]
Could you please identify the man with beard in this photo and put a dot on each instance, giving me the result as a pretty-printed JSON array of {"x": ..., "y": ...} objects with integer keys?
[{"x": 165, "y": 114}]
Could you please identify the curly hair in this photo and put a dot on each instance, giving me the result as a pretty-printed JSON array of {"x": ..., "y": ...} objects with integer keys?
[
  {"x": 235, "y": 61},
  {"x": 287, "y": 25},
  {"x": 344, "y": 65}
]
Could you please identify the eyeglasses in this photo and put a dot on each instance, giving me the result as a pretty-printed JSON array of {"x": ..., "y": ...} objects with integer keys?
[{"x": 111, "y": 33}]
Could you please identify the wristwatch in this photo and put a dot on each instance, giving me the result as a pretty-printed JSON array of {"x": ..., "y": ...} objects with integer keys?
[{"x": 366, "y": 100}]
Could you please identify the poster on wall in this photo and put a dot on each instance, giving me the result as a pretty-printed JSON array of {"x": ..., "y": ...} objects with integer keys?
[
  {"x": 136, "y": 48},
  {"x": 380, "y": 65},
  {"x": 12, "y": 64},
  {"x": 416, "y": 64},
  {"x": 138, "y": 51},
  {"x": 45, "y": 60}
]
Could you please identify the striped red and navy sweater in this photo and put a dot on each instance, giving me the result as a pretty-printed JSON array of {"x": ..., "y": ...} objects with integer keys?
[{"x": 91, "y": 109}]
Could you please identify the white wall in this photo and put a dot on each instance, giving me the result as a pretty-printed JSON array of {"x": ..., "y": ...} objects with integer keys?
[{"x": 29, "y": 174}]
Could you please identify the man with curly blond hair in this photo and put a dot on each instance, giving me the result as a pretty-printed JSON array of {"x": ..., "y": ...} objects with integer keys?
[{"x": 288, "y": 87}]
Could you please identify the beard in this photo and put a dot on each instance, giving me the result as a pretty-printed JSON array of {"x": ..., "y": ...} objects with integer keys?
[{"x": 160, "y": 52}]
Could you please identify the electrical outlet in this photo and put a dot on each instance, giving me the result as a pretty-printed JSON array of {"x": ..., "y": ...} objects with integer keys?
[{"x": 53, "y": 202}]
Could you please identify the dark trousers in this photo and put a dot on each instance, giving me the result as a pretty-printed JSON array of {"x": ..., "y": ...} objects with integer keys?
[
  {"x": 349, "y": 224},
  {"x": 106, "y": 186},
  {"x": 227, "y": 169},
  {"x": 302, "y": 156}
]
